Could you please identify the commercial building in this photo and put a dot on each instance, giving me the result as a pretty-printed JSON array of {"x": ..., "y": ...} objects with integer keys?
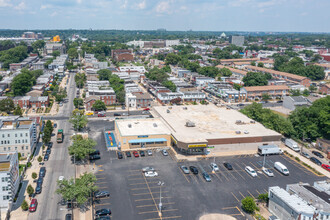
[
  {"x": 255, "y": 92},
  {"x": 237, "y": 40},
  {"x": 99, "y": 90},
  {"x": 141, "y": 133},
  {"x": 51, "y": 47},
  {"x": 17, "y": 134},
  {"x": 292, "y": 102},
  {"x": 9, "y": 180},
  {"x": 122, "y": 55},
  {"x": 195, "y": 128}
]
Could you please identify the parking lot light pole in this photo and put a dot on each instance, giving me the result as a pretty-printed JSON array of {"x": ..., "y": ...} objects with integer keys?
[{"x": 160, "y": 184}]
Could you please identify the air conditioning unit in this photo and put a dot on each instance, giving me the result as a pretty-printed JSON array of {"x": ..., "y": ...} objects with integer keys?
[
  {"x": 129, "y": 125},
  {"x": 238, "y": 132}
]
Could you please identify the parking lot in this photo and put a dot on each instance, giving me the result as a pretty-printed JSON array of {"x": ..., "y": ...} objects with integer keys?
[{"x": 185, "y": 196}]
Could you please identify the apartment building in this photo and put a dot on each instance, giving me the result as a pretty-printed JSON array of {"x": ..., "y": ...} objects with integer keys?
[
  {"x": 237, "y": 40},
  {"x": 17, "y": 134},
  {"x": 122, "y": 55},
  {"x": 51, "y": 47},
  {"x": 255, "y": 92},
  {"x": 290, "y": 78},
  {"x": 99, "y": 90},
  {"x": 138, "y": 100},
  {"x": 132, "y": 68},
  {"x": 9, "y": 180},
  {"x": 31, "y": 101}
]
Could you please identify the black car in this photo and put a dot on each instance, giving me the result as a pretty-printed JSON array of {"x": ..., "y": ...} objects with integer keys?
[
  {"x": 194, "y": 170},
  {"x": 128, "y": 154},
  {"x": 102, "y": 212},
  {"x": 116, "y": 114},
  {"x": 38, "y": 189},
  {"x": 94, "y": 157},
  {"x": 42, "y": 172},
  {"x": 55, "y": 125},
  {"x": 316, "y": 161},
  {"x": 68, "y": 217},
  {"x": 142, "y": 153},
  {"x": 228, "y": 166},
  {"x": 119, "y": 155},
  {"x": 46, "y": 157},
  {"x": 63, "y": 202},
  {"x": 48, "y": 151},
  {"x": 103, "y": 218},
  {"x": 69, "y": 204},
  {"x": 40, "y": 180},
  {"x": 50, "y": 144},
  {"x": 317, "y": 154},
  {"x": 101, "y": 194},
  {"x": 96, "y": 152}
]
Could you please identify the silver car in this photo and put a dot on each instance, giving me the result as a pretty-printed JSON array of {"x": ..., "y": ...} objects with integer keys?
[
  {"x": 185, "y": 169},
  {"x": 147, "y": 169},
  {"x": 149, "y": 152},
  {"x": 214, "y": 167},
  {"x": 164, "y": 152}
]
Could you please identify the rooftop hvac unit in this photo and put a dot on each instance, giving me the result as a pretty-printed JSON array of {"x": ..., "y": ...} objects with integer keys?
[
  {"x": 168, "y": 111},
  {"x": 170, "y": 107},
  {"x": 155, "y": 125},
  {"x": 190, "y": 124},
  {"x": 238, "y": 122},
  {"x": 238, "y": 132},
  {"x": 185, "y": 108},
  {"x": 252, "y": 122},
  {"x": 129, "y": 125}
]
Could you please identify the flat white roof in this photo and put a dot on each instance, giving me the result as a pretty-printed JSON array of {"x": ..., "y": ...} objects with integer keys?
[
  {"x": 141, "y": 126},
  {"x": 211, "y": 122}
]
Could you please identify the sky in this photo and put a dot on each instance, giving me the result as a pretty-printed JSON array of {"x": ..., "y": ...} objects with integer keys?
[{"x": 182, "y": 15}]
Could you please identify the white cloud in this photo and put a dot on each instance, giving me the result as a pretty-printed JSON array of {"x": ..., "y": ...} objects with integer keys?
[
  {"x": 5, "y": 3},
  {"x": 79, "y": 1},
  {"x": 142, "y": 5},
  {"x": 42, "y": 7},
  {"x": 20, "y": 6},
  {"x": 163, "y": 7},
  {"x": 53, "y": 14}
]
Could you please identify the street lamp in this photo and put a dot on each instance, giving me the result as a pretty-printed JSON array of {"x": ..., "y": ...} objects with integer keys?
[{"x": 160, "y": 184}]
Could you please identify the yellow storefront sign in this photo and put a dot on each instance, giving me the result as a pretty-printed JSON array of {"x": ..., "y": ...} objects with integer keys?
[
  {"x": 196, "y": 145},
  {"x": 173, "y": 139}
]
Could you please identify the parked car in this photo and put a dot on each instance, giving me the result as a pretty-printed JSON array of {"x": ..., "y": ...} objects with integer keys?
[
  {"x": 206, "y": 177},
  {"x": 147, "y": 169},
  {"x": 214, "y": 167},
  {"x": 96, "y": 152},
  {"x": 48, "y": 151},
  {"x": 68, "y": 217},
  {"x": 149, "y": 152},
  {"x": 267, "y": 171},
  {"x": 250, "y": 171},
  {"x": 119, "y": 155},
  {"x": 103, "y": 212},
  {"x": 164, "y": 152},
  {"x": 94, "y": 157},
  {"x": 103, "y": 218},
  {"x": 194, "y": 170},
  {"x": 46, "y": 157},
  {"x": 304, "y": 154},
  {"x": 327, "y": 167},
  {"x": 55, "y": 125},
  {"x": 151, "y": 174},
  {"x": 142, "y": 153},
  {"x": 38, "y": 189},
  {"x": 128, "y": 154},
  {"x": 40, "y": 180},
  {"x": 117, "y": 114},
  {"x": 228, "y": 165},
  {"x": 136, "y": 154},
  {"x": 316, "y": 161},
  {"x": 101, "y": 194},
  {"x": 33, "y": 205},
  {"x": 185, "y": 169},
  {"x": 50, "y": 144},
  {"x": 42, "y": 172},
  {"x": 318, "y": 154},
  {"x": 101, "y": 114}
]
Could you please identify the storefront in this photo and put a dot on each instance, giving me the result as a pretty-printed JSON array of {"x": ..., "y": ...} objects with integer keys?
[{"x": 189, "y": 148}]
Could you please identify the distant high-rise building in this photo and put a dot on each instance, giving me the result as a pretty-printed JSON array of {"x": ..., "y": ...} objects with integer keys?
[
  {"x": 28, "y": 35},
  {"x": 237, "y": 40}
]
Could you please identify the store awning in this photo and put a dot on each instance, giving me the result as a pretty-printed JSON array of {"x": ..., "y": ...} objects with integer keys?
[{"x": 135, "y": 141}]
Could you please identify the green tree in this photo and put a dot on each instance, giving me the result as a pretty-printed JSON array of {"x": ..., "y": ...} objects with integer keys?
[
  {"x": 306, "y": 92},
  {"x": 78, "y": 121},
  {"x": 104, "y": 74},
  {"x": 7, "y": 105},
  {"x": 253, "y": 63},
  {"x": 80, "y": 79},
  {"x": 73, "y": 53},
  {"x": 47, "y": 133},
  {"x": 210, "y": 71},
  {"x": 29, "y": 189},
  {"x": 312, "y": 88},
  {"x": 226, "y": 72},
  {"x": 260, "y": 64},
  {"x": 39, "y": 44},
  {"x": 172, "y": 59},
  {"x": 170, "y": 85},
  {"x": 265, "y": 97},
  {"x": 249, "y": 205},
  {"x": 79, "y": 189},
  {"x": 18, "y": 111},
  {"x": 295, "y": 92},
  {"x": 60, "y": 94},
  {"x": 255, "y": 79},
  {"x": 99, "y": 105},
  {"x": 263, "y": 197},
  {"x": 25, "y": 206},
  {"x": 40, "y": 159},
  {"x": 34, "y": 175},
  {"x": 237, "y": 86},
  {"x": 56, "y": 54},
  {"x": 82, "y": 148},
  {"x": 78, "y": 102}
]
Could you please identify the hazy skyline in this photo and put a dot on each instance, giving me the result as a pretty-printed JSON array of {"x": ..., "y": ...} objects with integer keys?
[{"x": 203, "y": 15}]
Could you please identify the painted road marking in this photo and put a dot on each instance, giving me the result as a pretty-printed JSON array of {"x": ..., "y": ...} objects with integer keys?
[
  {"x": 141, "y": 206},
  {"x": 138, "y": 194},
  {"x": 165, "y": 217},
  {"x": 138, "y": 200},
  {"x": 251, "y": 194},
  {"x": 235, "y": 197}
]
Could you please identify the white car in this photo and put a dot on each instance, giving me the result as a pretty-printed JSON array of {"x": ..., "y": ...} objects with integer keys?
[
  {"x": 147, "y": 169},
  {"x": 251, "y": 171},
  {"x": 60, "y": 178},
  {"x": 151, "y": 174},
  {"x": 164, "y": 152},
  {"x": 214, "y": 167},
  {"x": 149, "y": 152},
  {"x": 267, "y": 171}
]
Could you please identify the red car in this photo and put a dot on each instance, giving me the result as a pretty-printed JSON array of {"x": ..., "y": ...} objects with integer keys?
[
  {"x": 136, "y": 154},
  {"x": 33, "y": 205},
  {"x": 146, "y": 109},
  {"x": 327, "y": 167}
]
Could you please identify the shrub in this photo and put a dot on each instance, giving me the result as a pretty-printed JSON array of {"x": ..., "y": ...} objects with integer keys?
[
  {"x": 30, "y": 189},
  {"x": 263, "y": 197},
  {"x": 249, "y": 205},
  {"x": 40, "y": 159},
  {"x": 34, "y": 175},
  {"x": 297, "y": 159},
  {"x": 25, "y": 205},
  {"x": 28, "y": 164}
]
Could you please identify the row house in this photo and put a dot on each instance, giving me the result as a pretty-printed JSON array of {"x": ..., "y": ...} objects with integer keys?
[
  {"x": 31, "y": 102},
  {"x": 203, "y": 80},
  {"x": 231, "y": 61},
  {"x": 255, "y": 92},
  {"x": 132, "y": 68},
  {"x": 290, "y": 78},
  {"x": 99, "y": 90},
  {"x": 138, "y": 100},
  {"x": 193, "y": 96},
  {"x": 167, "y": 97},
  {"x": 27, "y": 62},
  {"x": 239, "y": 73}
]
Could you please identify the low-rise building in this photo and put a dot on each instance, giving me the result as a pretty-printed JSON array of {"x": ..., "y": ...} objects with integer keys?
[
  {"x": 255, "y": 92},
  {"x": 239, "y": 73},
  {"x": 132, "y": 68},
  {"x": 292, "y": 102},
  {"x": 325, "y": 88},
  {"x": 17, "y": 134},
  {"x": 51, "y": 47},
  {"x": 31, "y": 101},
  {"x": 122, "y": 55},
  {"x": 203, "y": 80},
  {"x": 9, "y": 180}
]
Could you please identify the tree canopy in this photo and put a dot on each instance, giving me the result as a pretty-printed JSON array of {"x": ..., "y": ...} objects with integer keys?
[
  {"x": 23, "y": 82},
  {"x": 104, "y": 74},
  {"x": 78, "y": 102},
  {"x": 99, "y": 105},
  {"x": 249, "y": 205},
  {"x": 161, "y": 76},
  {"x": 78, "y": 121},
  {"x": 13, "y": 55},
  {"x": 256, "y": 79},
  {"x": 7, "y": 105},
  {"x": 81, "y": 148}
]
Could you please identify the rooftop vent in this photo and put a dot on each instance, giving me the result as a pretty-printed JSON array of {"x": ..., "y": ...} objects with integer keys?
[
  {"x": 252, "y": 122},
  {"x": 155, "y": 125},
  {"x": 168, "y": 111},
  {"x": 170, "y": 107},
  {"x": 238, "y": 122},
  {"x": 190, "y": 124},
  {"x": 238, "y": 132},
  {"x": 246, "y": 132},
  {"x": 185, "y": 108},
  {"x": 129, "y": 125}
]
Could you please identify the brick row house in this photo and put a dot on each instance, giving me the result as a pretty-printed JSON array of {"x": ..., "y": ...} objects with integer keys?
[
  {"x": 31, "y": 102},
  {"x": 99, "y": 90},
  {"x": 255, "y": 92}
]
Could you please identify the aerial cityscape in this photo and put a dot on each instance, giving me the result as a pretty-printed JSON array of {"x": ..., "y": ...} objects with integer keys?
[{"x": 165, "y": 109}]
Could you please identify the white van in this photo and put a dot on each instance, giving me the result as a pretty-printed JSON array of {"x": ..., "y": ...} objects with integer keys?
[
  {"x": 292, "y": 144},
  {"x": 281, "y": 168}
]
